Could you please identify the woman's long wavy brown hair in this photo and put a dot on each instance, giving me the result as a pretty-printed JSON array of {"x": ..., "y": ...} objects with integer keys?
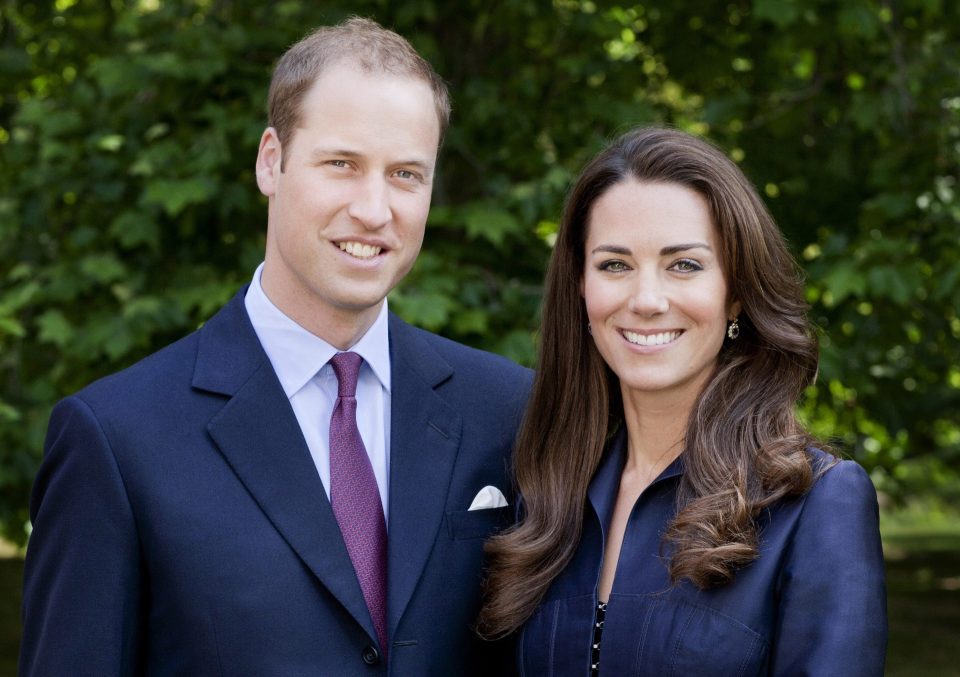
[{"x": 744, "y": 448}]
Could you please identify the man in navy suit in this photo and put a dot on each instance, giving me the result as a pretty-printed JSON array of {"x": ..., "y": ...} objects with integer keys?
[{"x": 182, "y": 519}]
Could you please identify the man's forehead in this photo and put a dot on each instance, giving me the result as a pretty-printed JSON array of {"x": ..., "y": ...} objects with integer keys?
[
  {"x": 348, "y": 71},
  {"x": 362, "y": 118}
]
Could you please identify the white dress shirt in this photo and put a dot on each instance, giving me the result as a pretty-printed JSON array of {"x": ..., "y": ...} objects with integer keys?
[{"x": 301, "y": 362}]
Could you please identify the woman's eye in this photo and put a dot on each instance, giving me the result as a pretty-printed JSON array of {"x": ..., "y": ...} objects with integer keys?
[
  {"x": 686, "y": 266},
  {"x": 613, "y": 266}
]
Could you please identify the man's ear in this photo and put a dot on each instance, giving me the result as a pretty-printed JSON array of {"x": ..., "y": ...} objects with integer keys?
[{"x": 269, "y": 159}]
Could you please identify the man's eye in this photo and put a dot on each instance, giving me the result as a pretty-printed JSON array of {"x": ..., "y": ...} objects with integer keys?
[{"x": 406, "y": 174}]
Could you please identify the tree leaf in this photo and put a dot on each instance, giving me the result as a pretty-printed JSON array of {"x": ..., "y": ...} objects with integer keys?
[
  {"x": 176, "y": 194},
  {"x": 54, "y": 328}
]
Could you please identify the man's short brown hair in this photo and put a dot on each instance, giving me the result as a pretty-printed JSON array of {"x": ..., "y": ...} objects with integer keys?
[{"x": 357, "y": 41}]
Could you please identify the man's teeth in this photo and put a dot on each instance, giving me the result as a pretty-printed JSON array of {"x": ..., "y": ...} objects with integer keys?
[
  {"x": 360, "y": 250},
  {"x": 651, "y": 339}
]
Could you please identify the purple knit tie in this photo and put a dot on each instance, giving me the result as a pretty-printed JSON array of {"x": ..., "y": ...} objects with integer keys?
[{"x": 355, "y": 497}]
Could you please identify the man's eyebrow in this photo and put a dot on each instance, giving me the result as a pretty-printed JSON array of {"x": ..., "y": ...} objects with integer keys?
[{"x": 317, "y": 153}]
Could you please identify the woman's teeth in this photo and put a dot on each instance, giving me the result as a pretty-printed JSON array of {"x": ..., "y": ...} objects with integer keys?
[{"x": 651, "y": 339}]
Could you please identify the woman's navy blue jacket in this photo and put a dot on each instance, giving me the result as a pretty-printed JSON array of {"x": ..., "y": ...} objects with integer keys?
[{"x": 813, "y": 603}]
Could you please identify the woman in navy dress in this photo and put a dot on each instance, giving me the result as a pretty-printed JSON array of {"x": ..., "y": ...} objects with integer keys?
[{"x": 676, "y": 518}]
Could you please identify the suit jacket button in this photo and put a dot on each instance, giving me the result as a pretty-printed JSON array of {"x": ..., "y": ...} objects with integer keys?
[{"x": 370, "y": 655}]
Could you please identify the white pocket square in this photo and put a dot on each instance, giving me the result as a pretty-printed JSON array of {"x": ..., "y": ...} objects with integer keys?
[{"x": 488, "y": 497}]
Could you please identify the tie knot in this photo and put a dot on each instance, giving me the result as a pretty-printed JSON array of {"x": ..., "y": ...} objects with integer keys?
[{"x": 347, "y": 367}]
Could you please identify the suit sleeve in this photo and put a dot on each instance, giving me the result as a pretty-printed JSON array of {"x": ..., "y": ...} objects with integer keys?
[
  {"x": 832, "y": 610},
  {"x": 82, "y": 576}
]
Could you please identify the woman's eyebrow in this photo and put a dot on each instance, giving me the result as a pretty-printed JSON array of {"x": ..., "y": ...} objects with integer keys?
[
  {"x": 676, "y": 248},
  {"x": 612, "y": 249}
]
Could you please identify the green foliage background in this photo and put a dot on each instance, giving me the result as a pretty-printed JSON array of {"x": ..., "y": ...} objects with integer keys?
[{"x": 129, "y": 210}]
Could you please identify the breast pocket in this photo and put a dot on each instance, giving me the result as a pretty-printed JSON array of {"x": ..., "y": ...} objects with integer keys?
[
  {"x": 672, "y": 636},
  {"x": 467, "y": 524}
]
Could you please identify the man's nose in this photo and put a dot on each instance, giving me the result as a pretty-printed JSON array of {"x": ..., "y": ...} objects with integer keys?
[{"x": 370, "y": 205}]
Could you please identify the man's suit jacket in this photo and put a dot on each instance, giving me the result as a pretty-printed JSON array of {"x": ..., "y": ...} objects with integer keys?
[{"x": 180, "y": 526}]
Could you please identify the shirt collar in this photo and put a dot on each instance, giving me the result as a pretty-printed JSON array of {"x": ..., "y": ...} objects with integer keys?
[{"x": 298, "y": 355}]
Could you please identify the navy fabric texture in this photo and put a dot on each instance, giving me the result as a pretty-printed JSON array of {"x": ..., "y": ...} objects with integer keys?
[
  {"x": 181, "y": 528},
  {"x": 813, "y": 603}
]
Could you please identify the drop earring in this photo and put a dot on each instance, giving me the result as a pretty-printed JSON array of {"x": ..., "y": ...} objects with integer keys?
[{"x": 733, "y": 331}]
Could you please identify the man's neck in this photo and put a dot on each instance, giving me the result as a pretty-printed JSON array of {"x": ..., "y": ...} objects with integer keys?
[
  {"x": 340, "y": 327},
  {"x": 344, "y": 333}
]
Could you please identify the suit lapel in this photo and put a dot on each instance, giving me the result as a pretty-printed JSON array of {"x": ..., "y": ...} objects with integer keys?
[
  {"x": 424, "y": 441},
  {"x": 258, "y": 434}
]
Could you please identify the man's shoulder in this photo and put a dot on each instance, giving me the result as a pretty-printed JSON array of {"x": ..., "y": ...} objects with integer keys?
[
  {"x": 464, "y": 354},
  {"x": 168, "y": 371},
  {"x": 461, "y": 357},
  {"x": 157, "y": 372}
]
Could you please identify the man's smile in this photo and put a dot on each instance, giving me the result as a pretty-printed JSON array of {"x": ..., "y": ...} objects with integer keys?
[{"x": 359, "y": 250}]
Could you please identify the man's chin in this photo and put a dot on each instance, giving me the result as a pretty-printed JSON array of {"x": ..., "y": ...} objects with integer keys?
[{"x": 361, "y": 304}]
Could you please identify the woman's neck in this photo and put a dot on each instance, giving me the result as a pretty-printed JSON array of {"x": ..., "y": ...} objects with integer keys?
[{"x": 656, "y": 428}]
